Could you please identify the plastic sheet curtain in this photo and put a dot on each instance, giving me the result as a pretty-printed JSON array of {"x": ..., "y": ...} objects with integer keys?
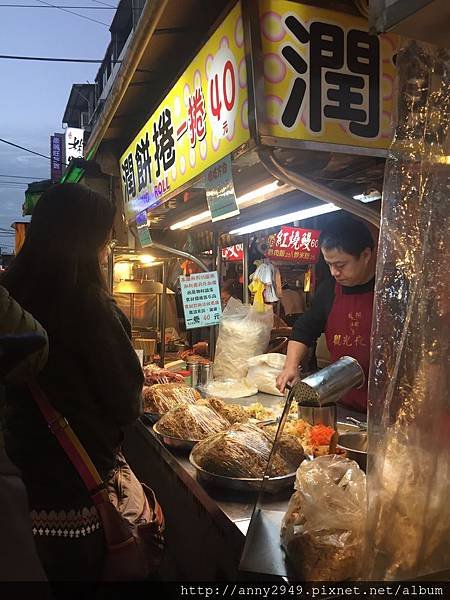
[{"x": 409, "y": 404}]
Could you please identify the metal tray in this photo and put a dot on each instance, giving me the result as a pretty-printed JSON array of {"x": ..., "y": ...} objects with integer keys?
[
  {"x": 241, "y": 484},
  {"x": 174, "y": 442}
]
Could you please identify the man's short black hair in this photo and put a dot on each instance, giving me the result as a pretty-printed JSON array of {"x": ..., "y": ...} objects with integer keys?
[{"x": 346, "y": 234}]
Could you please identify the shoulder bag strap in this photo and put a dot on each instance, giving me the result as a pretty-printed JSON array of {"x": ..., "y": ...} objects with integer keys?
[{"x": 71, "y": 445}]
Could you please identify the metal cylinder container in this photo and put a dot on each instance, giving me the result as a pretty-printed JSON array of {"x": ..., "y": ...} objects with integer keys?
[
  {"x": 194, "y": 368},
  {"x": 206, "y": 374},
  {"x": 315, "y": 415},
  {"x": 330, "y": 384}
]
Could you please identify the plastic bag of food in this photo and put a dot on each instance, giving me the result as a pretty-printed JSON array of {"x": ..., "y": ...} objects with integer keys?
[
  {"x": 243, "y": 333},
  {"x": 263, "y": 371},
  {"x": 161, "y": 397},
  {"x": 323, "y": 529},
  {"x": 243, "y": 451},
  {"x": 191, "y": 422}
]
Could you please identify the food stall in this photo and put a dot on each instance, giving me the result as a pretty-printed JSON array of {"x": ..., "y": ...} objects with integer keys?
[
  {"x": 279, "y": 90},
  {"x": 222, "y": 154}
]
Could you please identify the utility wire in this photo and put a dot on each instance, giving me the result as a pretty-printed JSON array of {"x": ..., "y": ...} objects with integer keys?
[
  {"x": 74, "y": 13},
  {"x": 22, "y": 177},
  {"x": 26, "y": 149},
  {"x": 61, "y": 7},
  {"x": 49, "y": 59},
  {"x": 100, "y": 2}
]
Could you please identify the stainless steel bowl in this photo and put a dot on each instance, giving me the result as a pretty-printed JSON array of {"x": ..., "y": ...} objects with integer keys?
[
  {"x": 354, "y": 445},
  {"x": 174, "y": 442},
  {"x": 151, "y": 417},
  {"x": 242, "y": 484}
]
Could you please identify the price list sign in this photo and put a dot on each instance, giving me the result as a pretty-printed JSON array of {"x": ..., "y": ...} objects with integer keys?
[{"x": 201, "y": 299}]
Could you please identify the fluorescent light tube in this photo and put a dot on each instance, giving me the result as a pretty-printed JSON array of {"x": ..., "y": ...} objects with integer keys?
[
  {"x": 307, "y": 213},
  {"x": 274, "y": 186},
  {"x": 269, "y": 189},
  {"x": 203, "y": 216}
]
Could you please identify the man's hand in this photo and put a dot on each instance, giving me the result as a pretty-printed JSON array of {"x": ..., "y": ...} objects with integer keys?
[
  {"x": 287, "y": 377},
  {"x": 296, "y": 352}
]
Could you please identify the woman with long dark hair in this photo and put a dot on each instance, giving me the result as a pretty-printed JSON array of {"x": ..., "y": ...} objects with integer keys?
[{"x": 93, "y": 376}]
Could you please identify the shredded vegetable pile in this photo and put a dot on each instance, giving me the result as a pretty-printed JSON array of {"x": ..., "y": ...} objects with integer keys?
[{"x": 320, "y": 435}]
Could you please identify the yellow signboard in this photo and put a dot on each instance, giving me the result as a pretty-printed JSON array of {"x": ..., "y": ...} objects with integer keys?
[
  {"x": 326, "y": 79},
  {"x": 201, "y": 120}
]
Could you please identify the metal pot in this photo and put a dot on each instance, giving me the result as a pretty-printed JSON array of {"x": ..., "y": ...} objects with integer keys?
[{"x": 354, "y": 446}]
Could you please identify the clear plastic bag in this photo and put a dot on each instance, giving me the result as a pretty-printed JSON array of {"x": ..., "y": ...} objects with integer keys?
[
  {"x": 161, "y": 397},
  {"x": 323, "y": 529},
  {"x": 191, "y": 422},
  {"x": 243, "y": 451},
  {"x": 408, "y": 475},
  {"x": 243, "y": 333},
  {"x": 263, "y": 371}
]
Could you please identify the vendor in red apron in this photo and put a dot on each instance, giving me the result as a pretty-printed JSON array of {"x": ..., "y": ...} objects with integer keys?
[{"x": 342, "y": 307}]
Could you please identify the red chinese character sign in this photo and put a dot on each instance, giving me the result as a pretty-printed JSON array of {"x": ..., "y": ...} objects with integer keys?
[
  {"x": 295, "y": 245},
  {"x": 233, "y": 253}
]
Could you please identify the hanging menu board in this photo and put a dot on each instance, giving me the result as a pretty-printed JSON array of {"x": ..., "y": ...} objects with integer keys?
[{"x": 201, "y": 299}]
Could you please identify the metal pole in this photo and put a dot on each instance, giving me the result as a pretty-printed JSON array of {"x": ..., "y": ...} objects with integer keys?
[
  {"x": 218, "y": 246},
  {"x": 177, "y": 252},
  {"x": 110, "y": 273},
  {"x": 245, "y": 279},
  {"x": 213, "y": 332},
  {"x": 162, "y": 352},
  {"x": 317, "y": 190},
  {"x": 132, "y": 312}
]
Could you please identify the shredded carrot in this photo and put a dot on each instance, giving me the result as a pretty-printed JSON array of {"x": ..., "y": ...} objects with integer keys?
[{"x": 321, "y": 435}]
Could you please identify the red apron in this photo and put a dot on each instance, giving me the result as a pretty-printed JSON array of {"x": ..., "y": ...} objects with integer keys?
[{"x": 347, "y": 332}]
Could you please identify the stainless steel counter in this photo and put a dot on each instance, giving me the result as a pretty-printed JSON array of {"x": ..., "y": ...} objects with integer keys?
[
  {"x": 236, "y": 506},
  {"x": 202, "y": 520}
]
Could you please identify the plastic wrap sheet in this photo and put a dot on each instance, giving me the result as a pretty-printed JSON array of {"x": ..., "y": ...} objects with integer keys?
[
  {"x": 263, "y": 371},
  {"x": 191, "y": 422},
  {"x": 243, "y": 451},
  {"x": 233, "y": 413},
  {"x": 323, "y": 529},
  {"x": 243, "y": 333},
  {"x": 161, "y": 397},
  {"x": 409, "y": 398}
]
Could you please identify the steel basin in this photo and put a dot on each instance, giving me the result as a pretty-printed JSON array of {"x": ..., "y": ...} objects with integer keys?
[{"x": 354, "y": 446}]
